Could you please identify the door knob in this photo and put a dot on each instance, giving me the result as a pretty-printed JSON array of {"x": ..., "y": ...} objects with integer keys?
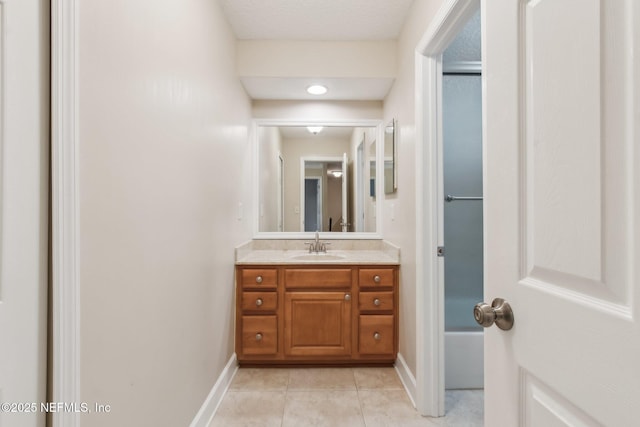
[{"x": 499, "y": 312}]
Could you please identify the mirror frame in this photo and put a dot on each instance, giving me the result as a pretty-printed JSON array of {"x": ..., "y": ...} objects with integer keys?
[{"x": 379, "y": 186}]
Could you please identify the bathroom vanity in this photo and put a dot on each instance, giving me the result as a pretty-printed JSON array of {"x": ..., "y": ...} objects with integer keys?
[{"x": 339, "y": 307}]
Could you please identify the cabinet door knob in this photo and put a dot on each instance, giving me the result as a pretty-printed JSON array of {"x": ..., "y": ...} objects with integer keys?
[
  {"x": 376, "y": 278},
  {"x": 376, "y": 302},
  {"x": 376, "y": 336},
  {"x": 259, "y": 279},
  {"x": 259, "y": 302},
  {"x": 258, "y": 336},
  {"x": 347, "y": 297}
]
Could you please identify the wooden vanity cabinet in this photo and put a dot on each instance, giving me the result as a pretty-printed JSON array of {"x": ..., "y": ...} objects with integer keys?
[{"x": 310, "y": 314}]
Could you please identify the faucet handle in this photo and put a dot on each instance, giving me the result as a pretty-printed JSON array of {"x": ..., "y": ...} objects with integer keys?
[
  {"x": 310, "y": 246},
  {"x": 323, "y": 246}
]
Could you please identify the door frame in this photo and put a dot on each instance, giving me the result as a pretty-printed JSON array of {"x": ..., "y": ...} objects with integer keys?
[
  {"x": 358, "y": 217},
  {"x": 65, "y": 245},
  {"x": 303, "y": 161},
  {"x": 319, "y": 202},
  {"x": 280, "y": 196},
  {"x": 430, "y": 381}
]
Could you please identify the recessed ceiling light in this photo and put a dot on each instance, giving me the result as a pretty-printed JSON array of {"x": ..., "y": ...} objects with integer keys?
[
  {"x": 317, "y": 90},
  {"x": 315, "y": 129}
]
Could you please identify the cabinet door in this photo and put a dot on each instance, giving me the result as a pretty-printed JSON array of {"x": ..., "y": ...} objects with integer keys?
[{"x": 317, "y": 324}]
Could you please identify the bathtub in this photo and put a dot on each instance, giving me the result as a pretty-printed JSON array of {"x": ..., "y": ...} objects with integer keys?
[{"x": 464, "y": 359}]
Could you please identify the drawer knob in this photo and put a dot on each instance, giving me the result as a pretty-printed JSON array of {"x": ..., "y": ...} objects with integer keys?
[
  {"x": 259, "y": 279},
  {"x": 258, "y": 336},
  {"x": 376, "y": 336},
  {"x": 376, "y": 278},
  {"x": 347, "y": 297},
  {"x": 376, "y": 302},
  {"x": 259, "y": 302}
]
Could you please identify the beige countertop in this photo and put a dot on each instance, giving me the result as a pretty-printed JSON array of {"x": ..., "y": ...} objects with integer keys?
[{"x": 348, "y": 252}]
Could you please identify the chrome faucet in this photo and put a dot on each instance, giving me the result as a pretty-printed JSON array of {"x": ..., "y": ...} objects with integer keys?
[{"x": 317, "y": 246}]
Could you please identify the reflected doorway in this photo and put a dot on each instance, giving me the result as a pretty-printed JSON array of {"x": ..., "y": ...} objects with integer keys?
[{"x": 313, "y": 204}]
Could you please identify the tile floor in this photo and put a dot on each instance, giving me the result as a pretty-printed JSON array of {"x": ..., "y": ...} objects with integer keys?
[{"x": 334, "y": 397}]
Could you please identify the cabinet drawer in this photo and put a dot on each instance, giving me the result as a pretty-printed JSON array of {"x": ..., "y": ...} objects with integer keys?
[
  {"x": 264, "y": 278},
  {"x": 259, "y": 301},
  {"x": 318, "y": 278},
  {"x": 376, "y": 277},
  {"x": 259, "y": 335},
  {"x": 376, "y": 334},
  {"x": 376, "y": 301}
]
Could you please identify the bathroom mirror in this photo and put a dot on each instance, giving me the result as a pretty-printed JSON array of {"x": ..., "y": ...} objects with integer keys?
[
  {"x": 390, "y": 157},
  {"x": 314, "y": 177}
]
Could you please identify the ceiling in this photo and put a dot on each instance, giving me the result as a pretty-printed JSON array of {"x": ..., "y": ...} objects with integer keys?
[{"x": 316, "y": 20}]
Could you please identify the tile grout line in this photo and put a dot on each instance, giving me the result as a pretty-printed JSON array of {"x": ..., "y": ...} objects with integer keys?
[{"x": 286, "y": 397}]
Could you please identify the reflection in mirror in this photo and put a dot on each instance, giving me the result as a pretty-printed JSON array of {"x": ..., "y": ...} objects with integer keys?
[
  {"x": 315, "y": 179},
  {"x": 390, "y": 158},
  {"x": 372, "y": 170},
  {"x": 322, "y": 209}
]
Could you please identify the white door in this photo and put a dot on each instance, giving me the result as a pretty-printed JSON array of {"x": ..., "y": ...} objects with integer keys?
[
  {"x": 562, "y": 211},
  {"x": 24, "y": 141},
  {"x": 345, "y": 207}
]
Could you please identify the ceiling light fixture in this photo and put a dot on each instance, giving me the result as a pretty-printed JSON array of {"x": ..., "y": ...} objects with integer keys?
[
  {"x": 315, "y": 129},
  {"x": 317, "y": 90},
  {"x": 336, "y": 173}
]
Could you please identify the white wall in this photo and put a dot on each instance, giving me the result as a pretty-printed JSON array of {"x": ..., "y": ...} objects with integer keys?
[
  {"x": 401, "y": 228},
  {"x": 164, "y": 164},
  {"x": 270, "y": 150}
]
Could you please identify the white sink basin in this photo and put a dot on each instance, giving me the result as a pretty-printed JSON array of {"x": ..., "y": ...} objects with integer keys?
[{"x": 317, "y": 257}]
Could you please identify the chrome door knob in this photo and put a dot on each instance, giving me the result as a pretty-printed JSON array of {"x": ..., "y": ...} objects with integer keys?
[
  {"x": 376, "y": 278},
  {"x": 499, "y": 312},
  {"x": 258, "y": 336},
  {"x": 259, "y": 302},
  {"x": 376, "y": 302},
  {"x": 259, "y": 279},
  {"x": 347, "y": 297},
  {"x": 377, "y": 336}
]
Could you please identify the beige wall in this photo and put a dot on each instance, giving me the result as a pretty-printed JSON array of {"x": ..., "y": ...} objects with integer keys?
[
  {"x": 164, "y": 164},
  {"x": 400, "y": 103},
  {"x": 320, "y": 110},
  {"x": 306, "y": 58}
]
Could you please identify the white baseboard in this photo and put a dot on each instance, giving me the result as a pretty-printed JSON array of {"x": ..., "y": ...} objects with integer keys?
[
  {"x": 212, "y": 402},
  {"x": 407, "y": 378}
]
